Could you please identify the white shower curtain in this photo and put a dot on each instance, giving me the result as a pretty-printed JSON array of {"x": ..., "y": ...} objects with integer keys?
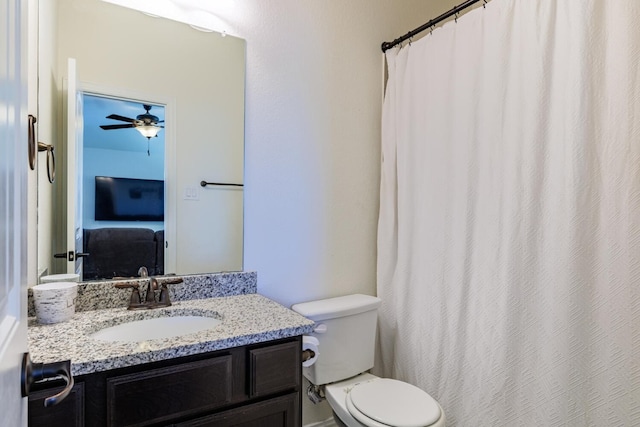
[{"x": 509, "y": 234}]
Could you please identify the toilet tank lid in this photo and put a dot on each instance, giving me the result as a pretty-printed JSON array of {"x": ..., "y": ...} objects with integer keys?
[{"x": 337, "y": 307}]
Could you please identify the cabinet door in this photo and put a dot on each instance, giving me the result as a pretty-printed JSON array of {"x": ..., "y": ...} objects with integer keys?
[
  {"x": 160, "y": 395},
  {"x": 68, "y": 413},
  {"x": 274, "y": 368},
  {"x": 278, "y": 412}
]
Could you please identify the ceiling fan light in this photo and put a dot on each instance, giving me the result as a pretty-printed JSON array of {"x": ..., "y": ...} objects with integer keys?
[{"x": 148, "y": 131}]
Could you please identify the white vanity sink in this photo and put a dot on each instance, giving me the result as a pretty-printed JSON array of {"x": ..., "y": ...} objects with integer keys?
[{"x": 156, "y": 328}]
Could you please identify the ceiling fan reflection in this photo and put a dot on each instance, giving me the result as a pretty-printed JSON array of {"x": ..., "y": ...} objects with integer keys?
[{"x": 147, "y": 124}]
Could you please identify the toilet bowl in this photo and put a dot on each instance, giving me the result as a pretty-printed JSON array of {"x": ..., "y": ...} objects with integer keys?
[{"x": 367, "y": 400}]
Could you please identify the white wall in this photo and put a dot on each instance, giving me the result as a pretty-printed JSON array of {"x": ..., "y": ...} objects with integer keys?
[
  {"x": 312, "y": 142},
  {"x": 312, "y": 155}
]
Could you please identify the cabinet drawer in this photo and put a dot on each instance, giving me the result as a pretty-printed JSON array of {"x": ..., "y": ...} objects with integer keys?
[
  {"x": 279, "y": 412},
  {"x": 158, "y": 395},
  {"x": 274, "y": 368},
  {"x": 68, "y": 413}
]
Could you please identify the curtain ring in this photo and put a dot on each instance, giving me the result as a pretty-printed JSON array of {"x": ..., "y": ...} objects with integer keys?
[
  {"x": 484, "y": 4},
  {"x": 431, "y": 30},
  {"x": 456, "y": 18},
  {"x": 51, "y": 160}
]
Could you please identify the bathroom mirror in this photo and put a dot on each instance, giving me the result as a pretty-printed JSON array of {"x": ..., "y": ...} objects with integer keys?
[{"x": 199, "y": 78}]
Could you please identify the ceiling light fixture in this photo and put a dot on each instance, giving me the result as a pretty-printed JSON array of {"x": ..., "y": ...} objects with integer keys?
[{"x": 148, "y": 131}]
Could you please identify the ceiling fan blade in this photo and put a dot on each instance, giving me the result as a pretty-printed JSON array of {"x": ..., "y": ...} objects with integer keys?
[
  {"x": 109, "y": 127},
  {"x": 121, "y": 118}
]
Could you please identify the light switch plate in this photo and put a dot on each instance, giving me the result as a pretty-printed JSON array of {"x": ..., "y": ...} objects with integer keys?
[{"x": 191, "y": 193}]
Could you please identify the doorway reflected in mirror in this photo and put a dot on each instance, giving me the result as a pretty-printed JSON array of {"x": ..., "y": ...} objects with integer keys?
[{"x": 123, "y": 188}]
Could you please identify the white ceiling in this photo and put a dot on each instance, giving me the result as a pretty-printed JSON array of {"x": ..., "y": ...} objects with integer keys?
[{"x": 209, "y": 15}]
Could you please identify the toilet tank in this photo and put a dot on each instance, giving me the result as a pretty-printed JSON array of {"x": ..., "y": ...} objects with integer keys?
[{"x": 346, "y": 329}]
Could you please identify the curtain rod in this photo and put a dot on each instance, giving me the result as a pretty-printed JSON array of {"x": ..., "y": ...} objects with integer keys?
[{"x": 388, "y": 45}]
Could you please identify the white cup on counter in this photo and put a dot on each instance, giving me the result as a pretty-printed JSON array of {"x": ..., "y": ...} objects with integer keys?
[{"x": 55, "y": 302}]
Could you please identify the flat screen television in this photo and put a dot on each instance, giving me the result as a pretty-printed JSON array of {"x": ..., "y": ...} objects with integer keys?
[{"x": 128, "y": 199}]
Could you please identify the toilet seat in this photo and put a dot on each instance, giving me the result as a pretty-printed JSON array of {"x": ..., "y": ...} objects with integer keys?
[{"x": 386, "y": 402}]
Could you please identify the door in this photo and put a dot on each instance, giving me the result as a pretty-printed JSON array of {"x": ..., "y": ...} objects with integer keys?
[
  {"x": 13, "y": 208},
  {"x": 74, "y": 131}
]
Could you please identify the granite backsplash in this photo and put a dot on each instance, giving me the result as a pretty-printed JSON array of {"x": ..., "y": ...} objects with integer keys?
[{"x": 103, "y": 294}]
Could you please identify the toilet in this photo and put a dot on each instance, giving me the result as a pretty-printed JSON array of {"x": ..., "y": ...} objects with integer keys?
[{"x": 345, "y": 328}]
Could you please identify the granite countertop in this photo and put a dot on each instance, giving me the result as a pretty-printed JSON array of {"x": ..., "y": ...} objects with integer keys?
[{"x": 246, "y": 319}]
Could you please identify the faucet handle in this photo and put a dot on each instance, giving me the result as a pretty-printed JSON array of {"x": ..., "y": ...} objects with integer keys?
[
  {"x": 175, "y": 281},
  {"x": 135, "y": 293},
  {"x": 164, "y": 300}
]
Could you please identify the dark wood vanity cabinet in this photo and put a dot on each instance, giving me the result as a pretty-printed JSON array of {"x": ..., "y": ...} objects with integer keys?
[
  {"x": 68, "y": 413},
  {"x": 254, "y": 385}
]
